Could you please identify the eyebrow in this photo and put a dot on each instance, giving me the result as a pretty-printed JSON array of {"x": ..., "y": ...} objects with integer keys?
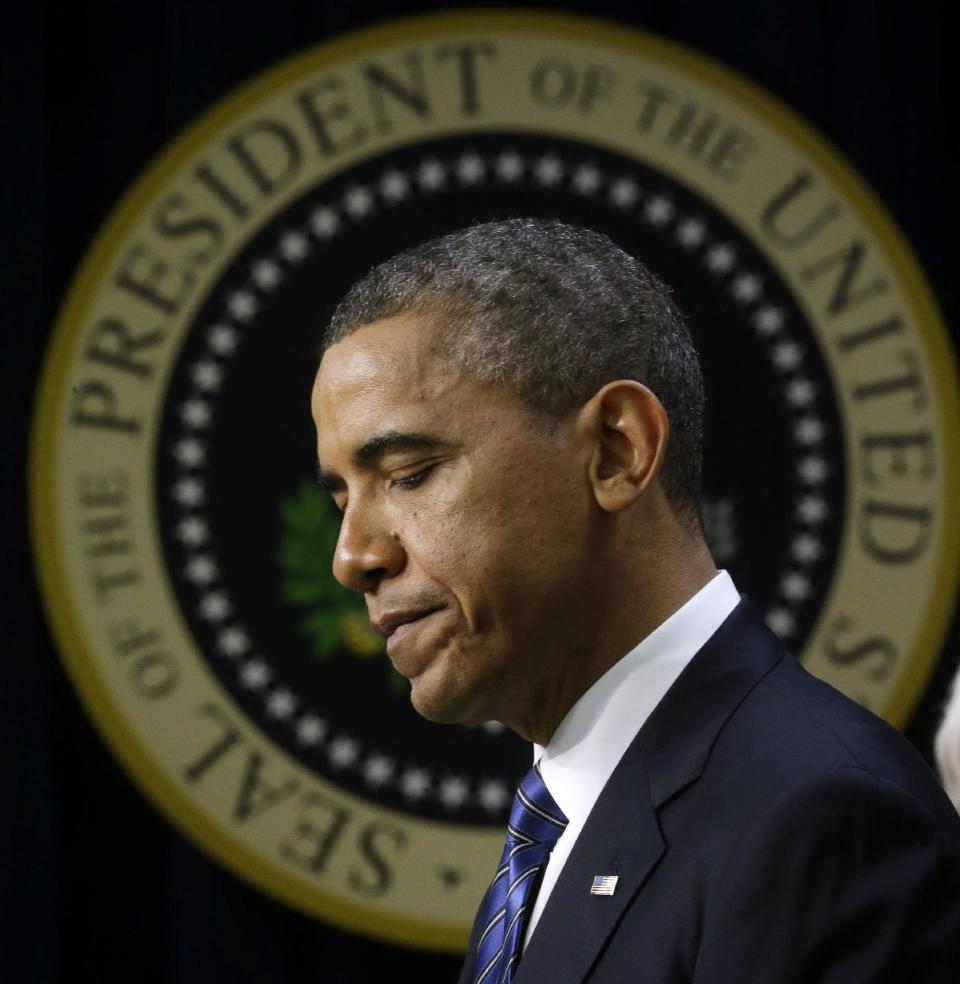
[{"x": 371, "y": 451}]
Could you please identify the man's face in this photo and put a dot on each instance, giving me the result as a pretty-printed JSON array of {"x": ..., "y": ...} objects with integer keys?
[{"x": 465, "y": 521}]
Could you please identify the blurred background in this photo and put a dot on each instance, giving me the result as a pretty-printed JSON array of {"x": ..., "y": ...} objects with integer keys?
[{"x": 96, "y": 885}]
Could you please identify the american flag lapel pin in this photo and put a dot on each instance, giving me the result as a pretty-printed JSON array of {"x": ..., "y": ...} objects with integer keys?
[{"x": 604, "y": 884}]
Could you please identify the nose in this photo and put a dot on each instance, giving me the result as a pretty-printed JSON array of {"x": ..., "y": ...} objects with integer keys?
[{"x": 366, "y": 552}]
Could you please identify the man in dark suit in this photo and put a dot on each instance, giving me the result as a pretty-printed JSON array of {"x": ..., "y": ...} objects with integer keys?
[{"x": 509, "y": 418}]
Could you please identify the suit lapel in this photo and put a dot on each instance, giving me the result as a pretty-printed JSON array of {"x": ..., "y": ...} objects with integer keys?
[
  {"x": 677, "y": 737},
  {"x": 622, "y": 835}
]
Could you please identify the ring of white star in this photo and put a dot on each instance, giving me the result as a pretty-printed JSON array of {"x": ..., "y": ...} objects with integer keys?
[{"x": 358, "y": 202}]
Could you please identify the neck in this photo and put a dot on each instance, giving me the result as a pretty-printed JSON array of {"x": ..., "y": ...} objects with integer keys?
[{"x": 614, "y": 625}]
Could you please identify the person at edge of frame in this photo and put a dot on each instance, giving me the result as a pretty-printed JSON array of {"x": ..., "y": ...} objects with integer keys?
[{"x": 946, "y": 743}]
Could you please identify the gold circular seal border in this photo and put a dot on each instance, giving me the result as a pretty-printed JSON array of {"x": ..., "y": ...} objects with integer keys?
[{"x": 165, "y": 796}]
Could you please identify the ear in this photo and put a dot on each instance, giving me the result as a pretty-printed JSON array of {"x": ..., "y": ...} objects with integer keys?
[{"x": 628, "y": 430}]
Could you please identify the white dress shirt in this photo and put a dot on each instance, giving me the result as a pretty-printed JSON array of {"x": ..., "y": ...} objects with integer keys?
[{"x": 598, "y": 729}]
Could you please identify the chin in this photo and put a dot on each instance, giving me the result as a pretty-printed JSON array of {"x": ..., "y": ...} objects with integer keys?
[
  {"x": 436, "y": 707},
  {"x": 441, "y": 703}
]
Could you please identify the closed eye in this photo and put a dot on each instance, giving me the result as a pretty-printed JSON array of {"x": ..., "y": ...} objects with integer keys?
[{"x": 412, "y": 481}]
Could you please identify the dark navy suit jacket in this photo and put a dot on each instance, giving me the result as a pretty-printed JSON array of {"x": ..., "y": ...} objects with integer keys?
[{"x": 764, "y": 828}]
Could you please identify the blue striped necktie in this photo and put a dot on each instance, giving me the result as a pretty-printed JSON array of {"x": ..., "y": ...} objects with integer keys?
[{"x": 536, "y": 822}]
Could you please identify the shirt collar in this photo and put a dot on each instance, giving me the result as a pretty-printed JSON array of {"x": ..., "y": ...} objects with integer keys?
[{"x": 597, "y": 730}]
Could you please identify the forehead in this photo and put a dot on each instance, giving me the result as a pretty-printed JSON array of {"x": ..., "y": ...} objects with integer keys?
[
  {"x": 386, "y": 375},
  {"x": 400, "y": 348}
]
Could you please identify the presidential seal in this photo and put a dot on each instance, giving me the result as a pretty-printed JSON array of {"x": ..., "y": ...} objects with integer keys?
[{"x": 184, "y": 547}]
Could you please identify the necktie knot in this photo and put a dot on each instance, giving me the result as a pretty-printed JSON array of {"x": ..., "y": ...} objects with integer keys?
[{"x": 536, "y": 823}]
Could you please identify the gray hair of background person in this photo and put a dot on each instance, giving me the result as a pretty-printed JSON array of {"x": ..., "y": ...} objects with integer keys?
[
  {"x": 947, "y": 744},
  {"x": 552, "y": 312}
]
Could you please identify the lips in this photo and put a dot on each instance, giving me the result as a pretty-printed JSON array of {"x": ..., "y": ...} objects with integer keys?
[
  {"x": 396, "y": 626},
  {"x": 388, "y": 623}
]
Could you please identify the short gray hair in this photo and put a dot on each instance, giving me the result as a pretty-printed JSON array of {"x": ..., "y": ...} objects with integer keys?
[{"x": 552, "y": 312}]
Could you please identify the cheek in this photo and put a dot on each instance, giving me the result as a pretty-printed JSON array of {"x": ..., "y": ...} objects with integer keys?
[
  {"x": 466, "y": 549},
  {"x": 500, "y": 563},
  {"x": 503, "y": 541}
]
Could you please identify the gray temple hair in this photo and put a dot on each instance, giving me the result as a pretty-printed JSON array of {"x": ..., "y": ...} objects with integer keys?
[{"x": 552, "y": 312}]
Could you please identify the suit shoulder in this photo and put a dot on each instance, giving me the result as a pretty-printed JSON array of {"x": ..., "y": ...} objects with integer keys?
[{"x": 794, "y": 730}]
